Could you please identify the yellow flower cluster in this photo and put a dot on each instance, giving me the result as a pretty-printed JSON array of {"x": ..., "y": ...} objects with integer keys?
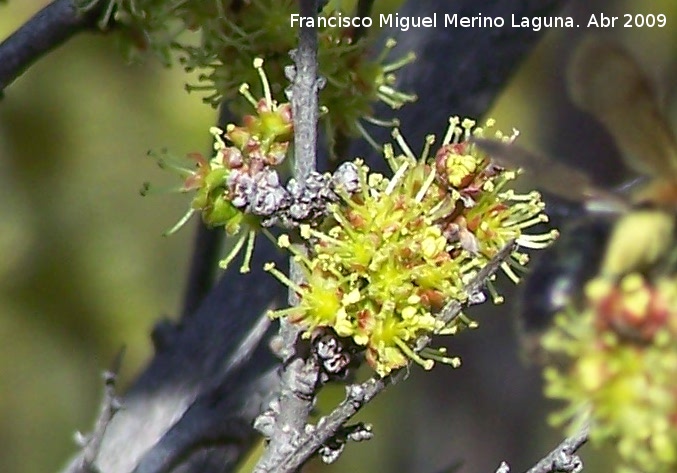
[
  {"x": 393, "y": 254},
  {"x": 620, "y": 369}
]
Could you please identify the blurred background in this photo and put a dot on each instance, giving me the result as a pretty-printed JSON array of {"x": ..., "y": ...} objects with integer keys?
[{"x": 84, "y": 269}]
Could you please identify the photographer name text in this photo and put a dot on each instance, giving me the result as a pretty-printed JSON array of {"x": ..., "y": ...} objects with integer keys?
[{"x": 404, "y": 23}]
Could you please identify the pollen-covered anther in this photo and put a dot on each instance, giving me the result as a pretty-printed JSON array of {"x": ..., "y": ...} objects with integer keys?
[
  {"x": 440, "y": 355},
  {"x": 283, "y": 241}
]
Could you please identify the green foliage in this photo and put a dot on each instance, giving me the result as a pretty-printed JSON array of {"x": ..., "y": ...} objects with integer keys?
[{"x": 219, "y": 39}]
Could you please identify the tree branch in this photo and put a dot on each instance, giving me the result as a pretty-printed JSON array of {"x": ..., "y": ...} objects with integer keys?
[
  {"x": 46, "y": 30},
  {"x": 362, "y": 10},
  {"x": 110, "y": 405},
  {"x": 358, "y": 395},
  {"x": 209, "y": 381},
  {"x": 458, "y": 71},
  {"x": 303, "y": 96},
  {"x": 562, "y": 459},
  {"x": 191, "y": 368},
  {"x": 300, "y": 377},
  {"x": 207, "y": 244}
]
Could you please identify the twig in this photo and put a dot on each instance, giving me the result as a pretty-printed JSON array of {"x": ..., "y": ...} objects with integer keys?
[
  {"x": 50, "y": 27},
  {"x": 300, "y": 377},
  {"x": 110, "y": 405},
  {"x": 358, "y": 395},
  {"x": 196, "y": 353},
  {"x": 305, "y": 85},
  {"x": 562, "y": 459},
  {"x": 303, "y": 95}
]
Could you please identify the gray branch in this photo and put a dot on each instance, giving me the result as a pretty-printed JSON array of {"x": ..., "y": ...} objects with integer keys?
[
  {"x": 358, "y": 395},
  {"x": 110, "y": 405},
  {"x": 191, "y": 408},
  {"x": 562, "y": 459},
  {"x": 300, "y": 379},
  {"x": 49, "y": 28}
]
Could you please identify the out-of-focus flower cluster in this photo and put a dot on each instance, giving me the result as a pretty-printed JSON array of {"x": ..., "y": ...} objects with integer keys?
[
  {"x": 392, "y": 254},
  {"x": 616, "y": 367},
  {"x": 219, "y": 39}
]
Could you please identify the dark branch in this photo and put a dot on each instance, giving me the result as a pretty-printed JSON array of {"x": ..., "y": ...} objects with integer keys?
[
  {"x": 203, "y": 266},
  {"x": 458, "y": 71},
  {"x": 206, "y": 385},
  {"x": 49, "y": 28},
  {"x": 461, "y": 71},
  {"x": 362, "y": 10}
]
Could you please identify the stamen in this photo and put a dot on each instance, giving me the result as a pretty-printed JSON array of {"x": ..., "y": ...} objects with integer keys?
[
  {"x": 429, "y": 141},
  {"x": 390, "y": 44},
  {"x": 244, "y": 91},
  {"x": 245, "y": 268},
  {"x": 426, "y": 364},
  {"x": 400, "y": 63},
  {"x": 467, "y": 125},
  {"x": 540, "y": 218},
  {"x": 537, "y": 242},
  {"x": 426, "y": 185},
  {"x": 437, "y": 355},
  {"x": 239, "y": 243},
  {"x": 270, "y": 268},
  {"x": 510, "y": 273},
  {"x": 367, "y": 137},
  {"x": 496, "y": 298},
  {"x": 390, "y": 123},
  {"x": 403, "y": 144},
  {"x": 258, "y": 64},
  {"x": 395, "y": 180},
  {"x": 453, "y": 121},
  {"x": 180, "y": 223}
]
